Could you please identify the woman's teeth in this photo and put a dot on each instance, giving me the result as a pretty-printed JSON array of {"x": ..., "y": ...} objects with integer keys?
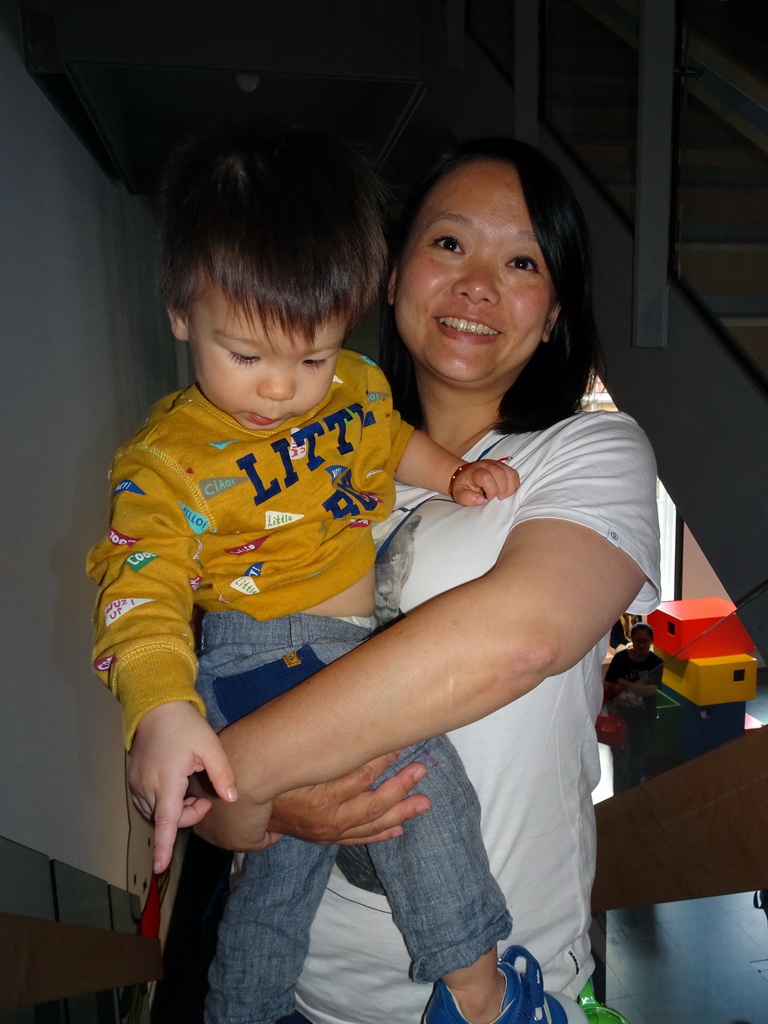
[{"x": 469, "y": 326}]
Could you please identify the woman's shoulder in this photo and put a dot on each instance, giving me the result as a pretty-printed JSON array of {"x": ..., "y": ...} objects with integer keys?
[
  {"x": 599, "y": 424},
  {"x": 621, "y": 657},
  {"x": 614, "y": 437},
  {"x": 598, "y": 434}
]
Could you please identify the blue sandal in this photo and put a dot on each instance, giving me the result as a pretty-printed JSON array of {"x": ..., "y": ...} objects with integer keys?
[{"x": 524, "y": 1002}]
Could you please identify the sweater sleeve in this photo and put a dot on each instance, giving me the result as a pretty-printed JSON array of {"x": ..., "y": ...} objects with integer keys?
[
  {"x": 146, "y": 570},
  {"x": 399, "y": 431}
]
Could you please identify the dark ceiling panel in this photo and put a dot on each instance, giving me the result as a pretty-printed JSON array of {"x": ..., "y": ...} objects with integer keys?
[
  {"x": 142, "y": 112},
  {"x": 133, "y": 79},
  {"x": 356, "y": 38}
]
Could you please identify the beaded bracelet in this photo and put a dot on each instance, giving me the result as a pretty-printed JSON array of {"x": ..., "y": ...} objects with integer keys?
[{"x": 453, "y": 478}]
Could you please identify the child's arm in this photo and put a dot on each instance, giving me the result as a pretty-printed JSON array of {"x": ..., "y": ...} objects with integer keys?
[
  {"x": 145, "y": 568},
  {"x": 426, "y": 464},
  {"x": 173, "y": 742}
]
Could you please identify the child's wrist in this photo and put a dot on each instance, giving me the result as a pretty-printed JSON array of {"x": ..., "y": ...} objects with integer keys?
[{"x": 454, "y": 478}]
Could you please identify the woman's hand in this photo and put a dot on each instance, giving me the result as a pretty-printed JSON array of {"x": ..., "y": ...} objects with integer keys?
[
  {"x": 343, "y": 810},
  {"x": 347, "y": 811}
]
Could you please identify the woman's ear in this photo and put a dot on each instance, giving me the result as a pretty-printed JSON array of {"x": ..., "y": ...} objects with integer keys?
[
  {"x": 179, "y": 325},
  {"x": 554, "y": 313},
  {"x": 392, "y": 286}
]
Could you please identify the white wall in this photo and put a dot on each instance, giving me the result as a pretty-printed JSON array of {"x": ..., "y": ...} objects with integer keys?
[
  {"x": 76, "y": 312},
  {"x": 699, "y": 578}
]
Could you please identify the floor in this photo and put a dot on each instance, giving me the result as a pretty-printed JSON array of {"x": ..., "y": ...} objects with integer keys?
[{"x": 693, "y": 962}]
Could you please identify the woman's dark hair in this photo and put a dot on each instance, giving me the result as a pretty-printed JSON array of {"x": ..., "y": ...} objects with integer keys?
[
  {"x": 638, "y": 626},
  {"x": 285, "y": 221},
  {"x": 553, "y": 382}
]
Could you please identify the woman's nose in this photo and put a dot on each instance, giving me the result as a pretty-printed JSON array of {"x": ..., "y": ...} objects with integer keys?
[{"x": 478, "y": 282}]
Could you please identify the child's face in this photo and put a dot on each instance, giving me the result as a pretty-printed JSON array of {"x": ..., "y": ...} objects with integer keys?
[{"x": 260, "y": 379}]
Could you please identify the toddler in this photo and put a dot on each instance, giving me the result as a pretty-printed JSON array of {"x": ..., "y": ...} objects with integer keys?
[{"x": 250, "y": 497}]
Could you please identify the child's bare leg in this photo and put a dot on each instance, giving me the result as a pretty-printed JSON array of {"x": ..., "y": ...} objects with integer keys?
[{"x": 478, "y": 989}]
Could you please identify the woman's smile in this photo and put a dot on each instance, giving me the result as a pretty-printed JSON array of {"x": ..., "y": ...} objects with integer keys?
[{"x": 468, "y": 326}]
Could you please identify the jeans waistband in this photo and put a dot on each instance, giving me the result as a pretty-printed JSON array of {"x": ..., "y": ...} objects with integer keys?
[{"x": 233, "y": 627}]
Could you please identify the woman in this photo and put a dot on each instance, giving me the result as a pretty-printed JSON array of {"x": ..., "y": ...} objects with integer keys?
[{"x": 488, "y": 343}]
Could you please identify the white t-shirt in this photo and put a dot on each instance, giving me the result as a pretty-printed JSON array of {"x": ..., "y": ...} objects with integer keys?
[{"x": 534, "y": 763}]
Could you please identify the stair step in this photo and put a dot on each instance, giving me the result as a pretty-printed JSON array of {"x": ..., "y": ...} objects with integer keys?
[
  {"x": 713, "y": 203},
  {"x": 751, "y": 333},
  {"x": 733, "y": 269}
]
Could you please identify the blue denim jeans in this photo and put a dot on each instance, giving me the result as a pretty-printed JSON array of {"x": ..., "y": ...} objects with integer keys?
[
  {"x": 629, "y": 761},
  {"x": 449, "y": 912}
]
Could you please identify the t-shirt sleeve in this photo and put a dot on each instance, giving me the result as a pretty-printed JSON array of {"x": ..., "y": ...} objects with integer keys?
[
  {"x": 599, "y": 471},
  {"x": 616, "y": 668}
]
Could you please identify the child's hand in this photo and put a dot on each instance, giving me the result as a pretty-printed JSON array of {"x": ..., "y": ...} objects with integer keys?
[
  {"x": 172, "y": 742},
  {"x": 476, "y": 482}
]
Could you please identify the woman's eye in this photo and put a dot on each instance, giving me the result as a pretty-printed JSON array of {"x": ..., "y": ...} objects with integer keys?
[
  {"x": 448, "y": 242},
  {"x": 524, "y": 263}
]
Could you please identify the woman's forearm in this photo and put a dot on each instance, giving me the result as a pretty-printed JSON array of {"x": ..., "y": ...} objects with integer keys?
[
  {"x": 556, "y": 589},
  {"x": 392, "y": 691}
]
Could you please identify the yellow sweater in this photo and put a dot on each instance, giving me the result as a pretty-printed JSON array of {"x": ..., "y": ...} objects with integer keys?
[{"x": 206, "y": 513}]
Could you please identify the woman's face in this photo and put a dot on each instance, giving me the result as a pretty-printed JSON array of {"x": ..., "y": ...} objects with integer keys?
[{"x": 472, "y": 295}]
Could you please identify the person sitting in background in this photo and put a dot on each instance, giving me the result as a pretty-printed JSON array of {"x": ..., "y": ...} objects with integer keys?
[{"x": 636, "y": 672}]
